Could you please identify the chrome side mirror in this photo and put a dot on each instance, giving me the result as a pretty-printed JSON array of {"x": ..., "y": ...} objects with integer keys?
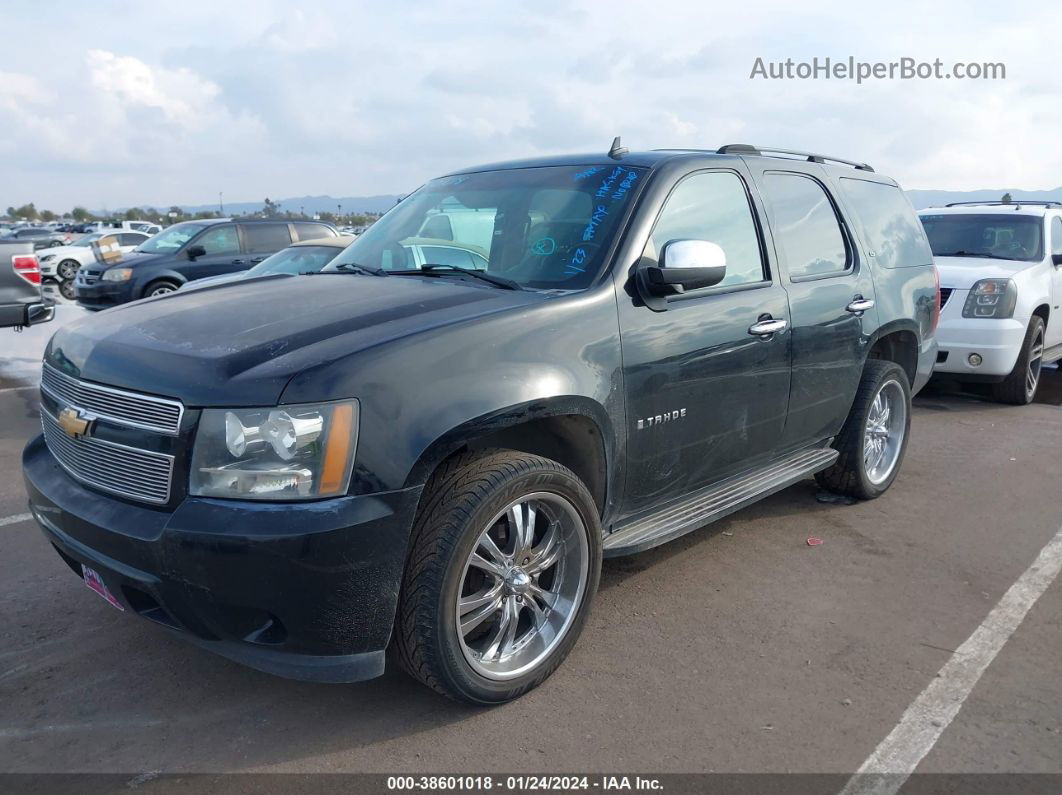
[{"x": 685, "y": 265}]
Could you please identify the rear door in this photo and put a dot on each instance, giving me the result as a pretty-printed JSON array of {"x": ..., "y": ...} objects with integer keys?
[
  {"x": 705, "y": 396},
  {"x": 831, "y": 295}
]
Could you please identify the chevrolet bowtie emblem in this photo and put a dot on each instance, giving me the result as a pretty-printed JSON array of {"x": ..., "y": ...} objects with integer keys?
[{"x": 73, "y": 423}]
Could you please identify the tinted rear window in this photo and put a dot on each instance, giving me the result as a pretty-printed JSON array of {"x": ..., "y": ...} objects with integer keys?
[
  {"x": 307, "y": 231},
  {"x": 891, "y": 231},
  {"x": 265, "y": 238}
]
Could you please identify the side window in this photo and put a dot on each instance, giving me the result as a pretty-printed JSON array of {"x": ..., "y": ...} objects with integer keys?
[
  {"x": 219, "y": 240},
  {"x": 712, "y": 206},
  {"x": 1056, "y": 235},
  {"x": 131, "y": 239},
  {"x": 312, "y": 231},
  {"x": 265, "y": 238},
  {"x": 437, "y": 227},
  {"x": 892, "y": 231},
  {"x": 806, "y": 226}
]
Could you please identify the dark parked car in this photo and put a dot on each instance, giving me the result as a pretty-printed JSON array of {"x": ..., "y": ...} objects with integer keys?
[
  {"x": 188, "y": 251},
  {"x": 303, "y": 257},
  {"x": 297, "y": 472},
  {"x": 21, "y": 303}
]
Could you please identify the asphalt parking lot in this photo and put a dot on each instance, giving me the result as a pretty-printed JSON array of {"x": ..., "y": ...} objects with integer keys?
[{"x": 737, "y": 648}]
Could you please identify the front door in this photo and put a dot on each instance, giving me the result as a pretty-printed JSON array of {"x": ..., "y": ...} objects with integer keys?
[
  {"x": 705, "y": 397},
  {"x": 1053, "y": 334},
  {"x": 222, "y": 246},
  {"x": 831, "y": 297}
]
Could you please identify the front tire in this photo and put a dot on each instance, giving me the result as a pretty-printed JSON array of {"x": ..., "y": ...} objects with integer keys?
[
  {"x": 1019, "y": 388},
  {"x": 504, "y": 562},
  {"x": 161, "y": 287},
  {"x": 67, "y": 269},
  {"x": 873, "y": 441}
]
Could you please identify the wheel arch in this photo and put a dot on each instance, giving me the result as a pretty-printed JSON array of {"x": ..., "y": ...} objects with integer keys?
[
  {"x": 897, "y": 342},
  {"x": 574, "y": 431},
  {"x": 162, "y": 276},
  {"x": 1043, "y": 311}
]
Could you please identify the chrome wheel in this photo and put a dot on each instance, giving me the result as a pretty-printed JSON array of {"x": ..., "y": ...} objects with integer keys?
[
  {"x": 884, "y": 432},
  {"x": 1032, "y": 370},
  {"x": 522, "y": 585},
  {"x": 162, "y": 289},
  {"x": 67, "y": 269}
]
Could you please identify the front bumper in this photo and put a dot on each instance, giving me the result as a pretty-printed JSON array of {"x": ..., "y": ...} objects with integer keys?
[
  {"x": 301, "y": 590},
  {"x": 101, "y": 294},
  {"x": 997, "y": 342}
]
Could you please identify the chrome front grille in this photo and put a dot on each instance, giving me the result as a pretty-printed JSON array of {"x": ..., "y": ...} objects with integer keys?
[
  {"x": 125, "y": 408},
  {"x": 126, "y": 471},
  {"x": 88, "y": 276}
]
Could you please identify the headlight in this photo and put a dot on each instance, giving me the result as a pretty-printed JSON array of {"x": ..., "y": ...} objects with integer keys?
[
  {"x": 118, "y": 275},
  {"x": 47, "y": 257},
  {"x": 281, "y": 453},
  {"x": 991, "y": 298}
]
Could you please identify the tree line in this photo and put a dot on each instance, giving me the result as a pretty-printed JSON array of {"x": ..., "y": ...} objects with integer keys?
[{"x": 175, "y": 214}]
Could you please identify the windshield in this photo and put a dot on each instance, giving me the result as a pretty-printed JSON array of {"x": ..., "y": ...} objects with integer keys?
[
  {"x": 86, "y": 240},
  {"x": 295, "y": 260},
  {"x": 170, "y": 239},
  {"x": 540, "y": 227},
  {"x": 999, "y": 236}
]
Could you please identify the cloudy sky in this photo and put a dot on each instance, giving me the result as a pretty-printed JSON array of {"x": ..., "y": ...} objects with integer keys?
[{"x": 111, "y": 104}]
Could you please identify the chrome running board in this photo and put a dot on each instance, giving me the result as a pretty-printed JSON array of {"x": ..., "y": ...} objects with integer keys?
[{"x": 714, "y": 502}]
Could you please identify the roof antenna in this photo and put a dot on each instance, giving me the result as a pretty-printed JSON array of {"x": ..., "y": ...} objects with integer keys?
[{"x": 616, "y": 152}]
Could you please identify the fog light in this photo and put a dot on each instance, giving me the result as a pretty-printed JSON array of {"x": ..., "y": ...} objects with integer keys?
[{"x": 974, "y": 359}]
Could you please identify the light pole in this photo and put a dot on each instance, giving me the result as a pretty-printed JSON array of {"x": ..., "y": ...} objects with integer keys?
[{"x": 221, "y": 205}]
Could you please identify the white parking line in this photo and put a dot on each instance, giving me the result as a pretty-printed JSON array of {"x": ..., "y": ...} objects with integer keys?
[
  {"x": 925, "y": 720},
  {"x": 18, "y": 517}
]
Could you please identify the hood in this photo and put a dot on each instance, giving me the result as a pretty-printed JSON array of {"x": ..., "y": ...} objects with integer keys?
[
  {"x": 213, "y": 281},
  {"x": 239, "y": 344},
  {"x": 960, "y": 273}
]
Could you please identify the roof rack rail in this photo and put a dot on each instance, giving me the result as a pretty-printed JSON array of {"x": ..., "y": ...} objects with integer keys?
[
  {"x": 811, "y": 157},
  {"x": 1015, "y": 203}
]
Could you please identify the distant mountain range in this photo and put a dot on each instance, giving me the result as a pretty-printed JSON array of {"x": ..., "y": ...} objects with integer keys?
[
  {"x": 938, "y": 198},
  {"x": 383, "y": 203},
  {"x": 306, "y": 204}
]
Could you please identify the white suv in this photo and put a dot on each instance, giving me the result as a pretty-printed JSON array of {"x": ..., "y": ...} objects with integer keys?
[{"x": 1000, "y": 289}]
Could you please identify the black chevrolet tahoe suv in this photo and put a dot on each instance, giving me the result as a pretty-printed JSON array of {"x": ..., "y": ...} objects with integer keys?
[
  {"x": 187, "y": 251},
  {"x": 299, "y": 472}
]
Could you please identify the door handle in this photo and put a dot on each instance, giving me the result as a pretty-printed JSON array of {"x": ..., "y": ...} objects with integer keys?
[
  {"x": 766, "y": 328},
  {"x": 859, "y": 305}
]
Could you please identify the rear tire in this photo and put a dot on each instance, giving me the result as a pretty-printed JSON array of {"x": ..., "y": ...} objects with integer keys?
[
  {"x": 873, "y": 441},
  {"x": 484, "y": 633},
  {"x": 1019, "y": 388}
]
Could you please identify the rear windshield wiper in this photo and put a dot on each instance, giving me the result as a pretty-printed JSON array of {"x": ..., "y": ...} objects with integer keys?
[{"x": 497, "y": 281}]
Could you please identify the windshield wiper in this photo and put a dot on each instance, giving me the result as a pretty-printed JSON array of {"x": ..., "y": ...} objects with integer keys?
[
  {"x": 429, "y": 268},
  {"x": 354, "y": 267},
  {"x": 968, "y": 254}
]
